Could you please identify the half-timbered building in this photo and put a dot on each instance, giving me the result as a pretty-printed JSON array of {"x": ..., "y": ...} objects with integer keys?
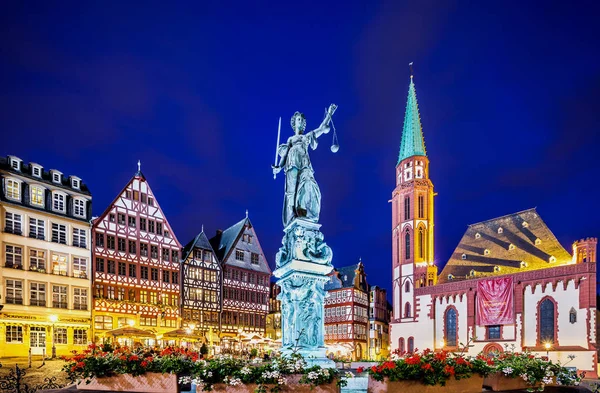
[
  {"x": 136, "y": 264},
  {"x": 201, "y": 295},
  {"x": 246, "y": 277},
  {"x": 346, "y": 312},
  {"x": 45, "y": 260}
]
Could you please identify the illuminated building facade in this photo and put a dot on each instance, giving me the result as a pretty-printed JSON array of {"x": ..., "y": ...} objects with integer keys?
[
  {"x": 549, "y": 294},
  {"x": 136, "y": 259},
  {"x": 45, "y": 260},
  {"x": 379, "y": 324},
  {"x": 273, "y": 330}
]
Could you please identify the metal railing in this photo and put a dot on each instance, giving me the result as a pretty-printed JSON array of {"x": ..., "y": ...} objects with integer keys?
[
  {"x": 59, "y": 304},
  {"x": 37, "y": 302},
  {"x": 13, "y": 382},
  {"x": 14, "y": 300},
  {"x": 14, "y": 265}
]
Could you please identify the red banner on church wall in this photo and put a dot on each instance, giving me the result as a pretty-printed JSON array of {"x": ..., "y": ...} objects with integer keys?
[{"x": 494, "y": 304}]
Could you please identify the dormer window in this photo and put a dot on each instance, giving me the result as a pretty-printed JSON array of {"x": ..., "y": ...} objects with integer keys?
[
  {"x": 15, "y": 163},
  {"x": 56, "y": 177},
  {"x": 463, "y": 256},
  {"x": 500, "y": 230},
  {"x": 511, "y": 247},
  {"x": 13, "y": 189},
  {"x": 552, "y": 259},
  {"x": 496, "y": 269},
  {"x": 525, "y": 224},
  {"x": 472, "y": 273},
  {"x": 79, "y": 207},
  {"x": 450, "y": 277},
  {"x": 477, "y": 235},
  {"x": 486, "y": 252},
  {"x": 58, "y": 202},
  {"x": 538, "y": 242},
  {"x": 523, "y": 264},
  {"x": 75, "y": 182},
  {"x": 36, "y": 170}
]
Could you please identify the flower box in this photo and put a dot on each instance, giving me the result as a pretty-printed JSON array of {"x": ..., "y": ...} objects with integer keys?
[
  {"x": 149, "y": 383},
  {"x": 499, "y": 382},
  {"x": 465, "y": 385},
  {"x": 293, "y": 385}
]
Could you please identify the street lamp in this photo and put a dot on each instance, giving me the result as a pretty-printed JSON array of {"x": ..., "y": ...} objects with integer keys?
[
  {"x": 53, "y": 319},
  {"x": 442, "y": 344},
  {"x": 547, "y": 346}
]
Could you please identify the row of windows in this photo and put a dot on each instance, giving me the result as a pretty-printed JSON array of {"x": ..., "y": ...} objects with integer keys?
[
  {"x": 39, "y": 292},
  {"x": 37, "y": 336},
  {"x": 131, "y": 246},
  {"x": 146, "y": 225},
  {"x": 15, "y": 258},
  {"x": 407, "y": 244},
  {"x": 14, "y": 223},
  {"x": 139, "y": 196},
  {"x": 346, "y": 328},
  {"x": 243, "y": 276},
  {"x": 144, "y": 296},
  {"x": 131, "y": 270},
  {"x": 207, "y": 275},
  {"x": 105, "y": 322},
  {"x": 243, "y": 319},
  {"x": 202, "y": 255},
  {"x": 37, "y": 198},
  {"x": 245, "y": 295},
  {"x": 202, "y": 295},
  {"x": 240, "y": 255},
  {"x": 420, "y": 207},
  {"x": 198, "y": 315}
]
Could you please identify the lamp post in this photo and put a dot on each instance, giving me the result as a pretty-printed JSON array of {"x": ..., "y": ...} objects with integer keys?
[
  {"x": 548, "y": 346},
  {"x": 53, "y": 319}
]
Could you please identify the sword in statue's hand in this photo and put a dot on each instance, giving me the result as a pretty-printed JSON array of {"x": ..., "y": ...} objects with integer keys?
[{"x": 277, "y": 149}]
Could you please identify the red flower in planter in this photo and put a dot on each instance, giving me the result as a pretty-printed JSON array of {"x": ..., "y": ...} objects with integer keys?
[
  {"x": 144, "y": 363},
  {"x": 449, "y": 370},
  {"x": 389, "y": 365},
  {"x": 374, "y": 369},
  {"x": 123, "y": 358},
  {"x": 426, "y": 367},
  {"x": 80, "y": 365},
  {"x": 461, "y": 361},
  {"x": 441, "y": 356},
  {"x": 133, "y": 358},
  {"x": 360, "y": 370}
]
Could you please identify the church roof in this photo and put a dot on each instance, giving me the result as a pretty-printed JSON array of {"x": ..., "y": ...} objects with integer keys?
[
  {"x": 513, "y": 243},
  {"x": 412, "y": 143}
]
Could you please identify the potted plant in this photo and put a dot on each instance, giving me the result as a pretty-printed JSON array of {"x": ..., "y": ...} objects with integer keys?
[{"x": 430, "y": 372}]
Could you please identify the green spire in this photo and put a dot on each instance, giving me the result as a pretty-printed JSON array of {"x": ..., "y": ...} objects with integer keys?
[{"x": 413, "y": 143}]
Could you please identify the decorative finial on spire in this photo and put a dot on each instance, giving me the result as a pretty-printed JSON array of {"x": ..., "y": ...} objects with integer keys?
[
  {"x": 139, "y": 166},
  {"x": 246, "y": 213},
  {"x": 202, "y": 227},
  {"x": 410, "y": 65}
]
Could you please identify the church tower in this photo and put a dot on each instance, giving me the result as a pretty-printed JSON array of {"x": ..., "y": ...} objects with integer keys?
[{"x": 412, "y": 216}]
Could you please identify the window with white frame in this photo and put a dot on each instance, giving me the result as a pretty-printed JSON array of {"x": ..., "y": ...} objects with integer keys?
[
  {"x": 60, "y": 335},
  {"x": 59, "y": 233},
  {"x": 14, "y": 292},
  {"x": 80, "y": 238},
  {"x": 13, "y": 256},
  {"x": 239, "y": 255},
  {"x": 59, "y": 264},
  {"x": 37, "y": 196},
  {"x": 79, "y": 207},
  {"x": 13, "y": 223},
  {"x": 79, "y": 267},
  {"x": 37, "y": 294},
  {"x": 75, "y": 183},
  {"x": 103, "y": 322},
  {"x": 58, "y": 202},
  {"x": 36, "y": 228},
  {"x": 80, "y": 298},
  {"x": 13, "y": 189},
  {"x": 37, "y": 259},
  {"x": 59, "y": 296},
  {"x": 36, "y": 171},
  {"x": 14, "y": 334},
  {"x": 79, "y": 336},
  {"x": 56, "y": 177}
]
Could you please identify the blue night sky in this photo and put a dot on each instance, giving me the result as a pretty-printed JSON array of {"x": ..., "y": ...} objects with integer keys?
[{"x": 508, "y": 98}]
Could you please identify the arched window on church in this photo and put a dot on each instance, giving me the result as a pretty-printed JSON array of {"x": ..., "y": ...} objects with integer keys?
[
  {"x": 406, "y": 208},
  {"x": 407, "y": 287},
  {"x": 407, "y": 310},
  {"x": 572, "y": 315},
  {"x": 411, "y": 345},
  {"x": 401, "y": 345},
  {"x": 546, "y": 321},
  {"x": 421, "y": 243},
  {"x": 407, "y": 244},
  {"x": 450, "y": 327}
]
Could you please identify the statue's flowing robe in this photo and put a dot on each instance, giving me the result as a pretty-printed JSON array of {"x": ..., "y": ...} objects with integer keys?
[{"x": 302, "y": 194}]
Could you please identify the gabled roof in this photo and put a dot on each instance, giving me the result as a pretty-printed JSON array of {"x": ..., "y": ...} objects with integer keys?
[
  {"x": 346, "y": 275},
  {"x": 223, "y": 241},
  {"x": 412, "y": 143},
  {"x": 513, "y": 243},
  {"x": 200, "y": 241}
]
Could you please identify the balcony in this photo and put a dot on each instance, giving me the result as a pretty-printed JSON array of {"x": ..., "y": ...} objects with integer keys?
[
  {"x": 59, "y": 304},
  {"x": 80, "y": 306},
  {"x": 14, "y": 300},
  {"x": 14, "y": 265},
  {"x": 37, "y": 302}
]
